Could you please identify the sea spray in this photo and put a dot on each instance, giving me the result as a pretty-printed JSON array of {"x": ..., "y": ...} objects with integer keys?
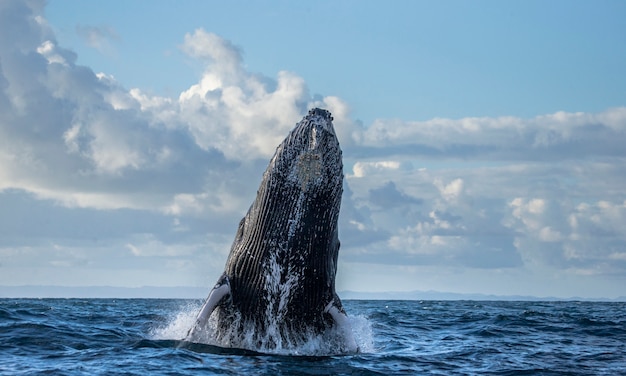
[{"x": 241, "y": 336}]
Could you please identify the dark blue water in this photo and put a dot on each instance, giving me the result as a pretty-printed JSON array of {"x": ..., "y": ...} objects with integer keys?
[{"x": 142, "y": 336}]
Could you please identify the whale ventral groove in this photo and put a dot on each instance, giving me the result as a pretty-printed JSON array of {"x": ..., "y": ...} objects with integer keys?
[{"x": 279, "y": 278}]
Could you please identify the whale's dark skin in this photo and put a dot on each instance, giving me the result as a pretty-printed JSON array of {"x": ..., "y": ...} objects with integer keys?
[{"x": 279, "y": 277}]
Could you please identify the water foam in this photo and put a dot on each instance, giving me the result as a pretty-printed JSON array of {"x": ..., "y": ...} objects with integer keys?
[
  {"x": 178, "y": 325},
  {"x": 330, "y": 342}
]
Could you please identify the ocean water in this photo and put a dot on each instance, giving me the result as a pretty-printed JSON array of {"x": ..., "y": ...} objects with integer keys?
[{"x": 142, "y": 337}]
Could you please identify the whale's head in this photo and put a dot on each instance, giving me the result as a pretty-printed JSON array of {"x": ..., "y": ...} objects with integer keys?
[
  {"x": 288, "y": 241},
  {"x": 306, "y": 176},
  {"x": 309, "y": 160}
]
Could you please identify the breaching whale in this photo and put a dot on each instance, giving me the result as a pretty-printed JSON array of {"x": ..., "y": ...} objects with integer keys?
[{"x": 278, "y": 286}]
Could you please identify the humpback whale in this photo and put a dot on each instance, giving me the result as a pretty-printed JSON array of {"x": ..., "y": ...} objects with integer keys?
[{"x": 278, "y": 286}]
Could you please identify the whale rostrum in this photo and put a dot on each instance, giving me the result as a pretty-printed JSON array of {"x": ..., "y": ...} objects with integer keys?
[{"x": 278, "y": 286}]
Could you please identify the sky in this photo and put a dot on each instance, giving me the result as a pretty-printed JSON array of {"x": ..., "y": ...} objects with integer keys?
[{"x": 483, "y": 141}]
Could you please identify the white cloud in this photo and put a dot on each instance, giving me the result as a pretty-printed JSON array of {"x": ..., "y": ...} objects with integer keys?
[
  {"x": 559, "y": 135},
  {"x": 450, "y": 191},
  {"x": 242, "y": 114},
  {"x": 547, "y": 234},
  {"x": 360, "y": 169},
  {"x": 77, "y": 137},
  {"x": 48, "y": 50},
  {"x": 211, "y": 46},
  {"x": 154, "y": 175},
  {"x": 583, "y": 237}
]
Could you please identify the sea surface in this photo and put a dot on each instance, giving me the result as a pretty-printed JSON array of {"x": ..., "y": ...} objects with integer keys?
[{"x": 143, "y": 337}]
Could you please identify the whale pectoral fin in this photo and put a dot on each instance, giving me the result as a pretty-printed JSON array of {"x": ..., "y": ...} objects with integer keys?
[
  {"x": 343, "y": 324},
  {"x": 219, "y": 292}
]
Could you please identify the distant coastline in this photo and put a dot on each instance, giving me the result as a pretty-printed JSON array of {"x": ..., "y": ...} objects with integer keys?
[{"x": 186, "y": 292}]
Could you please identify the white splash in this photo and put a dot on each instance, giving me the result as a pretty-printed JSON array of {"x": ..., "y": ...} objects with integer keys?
[
  {"x": 178, "y": 325},
  {"x": 327, "y": 343}
]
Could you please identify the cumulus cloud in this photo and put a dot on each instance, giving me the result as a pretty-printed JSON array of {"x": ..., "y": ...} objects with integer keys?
[
  {"x": 552, "y": 136},
  {"x": 98, "y": 156},
  {"x": 242, "y": 114},
  {"x": 585, "y": 237},
  {"x": 84, "y": 140},
  {"x": 360, "y": 169},
  {"x": 157, "y": 174},
  {"x": 504, "y": 214}
]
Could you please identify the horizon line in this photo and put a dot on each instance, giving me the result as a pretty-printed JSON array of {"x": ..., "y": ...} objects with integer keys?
[{"x": 195, "y": 292}]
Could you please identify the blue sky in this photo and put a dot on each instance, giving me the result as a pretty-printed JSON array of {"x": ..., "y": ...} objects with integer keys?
[
  {"x": 413, "y": 60},
  {"x": 483, "y": 141}
]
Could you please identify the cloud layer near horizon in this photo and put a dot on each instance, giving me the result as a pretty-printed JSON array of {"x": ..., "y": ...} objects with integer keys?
[{"x": 94, "y": 175}]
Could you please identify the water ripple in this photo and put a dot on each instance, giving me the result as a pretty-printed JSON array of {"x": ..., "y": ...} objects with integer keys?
[{"x": 139, "y": 337}]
